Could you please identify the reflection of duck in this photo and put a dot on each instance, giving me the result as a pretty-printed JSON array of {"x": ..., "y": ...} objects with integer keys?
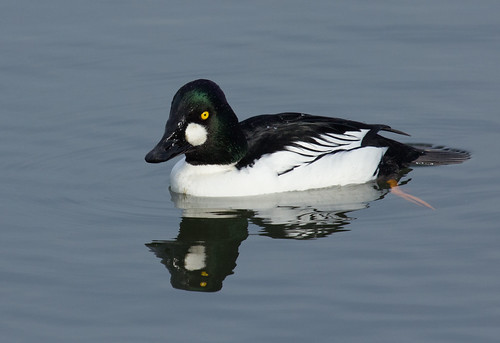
[
  {"x": 203, "y": 253},
  {"x": 298, "y": 215},
  {"x": 211, "y": 230}
]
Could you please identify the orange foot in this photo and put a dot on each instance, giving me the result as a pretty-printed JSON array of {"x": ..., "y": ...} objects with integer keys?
[{"x": 411, "y": 198}]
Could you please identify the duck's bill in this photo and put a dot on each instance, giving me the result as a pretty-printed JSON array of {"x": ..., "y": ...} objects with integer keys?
[{"x": 168, "y": 147}]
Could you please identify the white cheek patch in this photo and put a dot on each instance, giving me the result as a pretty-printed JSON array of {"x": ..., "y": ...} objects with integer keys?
[
  {"x": 195, "y": 134},
  {"x": 195, "y": 258}
]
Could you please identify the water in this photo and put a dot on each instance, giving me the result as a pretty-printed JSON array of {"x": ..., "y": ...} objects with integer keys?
[{"x": 89, "y": 230}]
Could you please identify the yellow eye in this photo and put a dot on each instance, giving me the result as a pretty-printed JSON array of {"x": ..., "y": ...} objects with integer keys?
[{"x": 204, "y": 115}]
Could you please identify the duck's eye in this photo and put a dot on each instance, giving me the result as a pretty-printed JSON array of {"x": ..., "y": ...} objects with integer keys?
[{"x": 204, "y": 115}]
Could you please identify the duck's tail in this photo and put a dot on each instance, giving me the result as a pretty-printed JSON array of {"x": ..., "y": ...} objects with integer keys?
[
  {"x": 426, "y": 155},
  {"x": 438, "y": 155}
]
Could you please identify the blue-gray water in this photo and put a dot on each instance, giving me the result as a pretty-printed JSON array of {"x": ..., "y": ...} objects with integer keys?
[{"x": 87, "y": 226}]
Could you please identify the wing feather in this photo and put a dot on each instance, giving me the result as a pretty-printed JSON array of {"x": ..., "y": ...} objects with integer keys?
[
  {"x": 302, "y": 153},
  {"x": 301, "y": 139}
]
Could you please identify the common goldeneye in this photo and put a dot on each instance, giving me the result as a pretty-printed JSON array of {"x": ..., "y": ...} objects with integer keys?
[{"x": 269, "y": 153}]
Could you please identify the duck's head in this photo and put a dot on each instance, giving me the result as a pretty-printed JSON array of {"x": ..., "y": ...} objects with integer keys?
[{"x": 202, "y": 126}]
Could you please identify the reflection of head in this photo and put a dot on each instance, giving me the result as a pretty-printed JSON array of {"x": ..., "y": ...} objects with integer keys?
[{"x": 204, "y": 252}]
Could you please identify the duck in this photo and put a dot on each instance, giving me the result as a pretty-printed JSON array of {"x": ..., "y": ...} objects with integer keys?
[{"x": 270, "y": 153}]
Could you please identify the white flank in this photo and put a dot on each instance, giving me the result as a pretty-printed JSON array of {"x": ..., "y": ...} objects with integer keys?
[
  {"x": 195, "y": 134},
  {"x": 282, "y": 171}
]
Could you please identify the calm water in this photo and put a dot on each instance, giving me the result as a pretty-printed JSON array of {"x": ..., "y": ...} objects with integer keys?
[{"x": 94, "y": 248}]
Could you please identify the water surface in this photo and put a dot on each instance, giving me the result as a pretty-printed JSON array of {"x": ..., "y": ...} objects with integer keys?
[{"x": 90, "y": 232}]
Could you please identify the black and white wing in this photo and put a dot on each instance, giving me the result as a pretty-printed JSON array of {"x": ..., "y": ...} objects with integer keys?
[
  {"x": 300, "y": 139},
  {"x": 303, "y": 153}
]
